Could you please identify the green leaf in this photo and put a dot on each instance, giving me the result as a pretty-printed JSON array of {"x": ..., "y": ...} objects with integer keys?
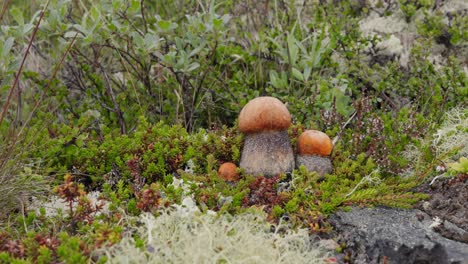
[
  {"x": 217, "y": 23},
  {"x": 169, "y": 58},
  {"x": 460, "y": 166},
  {"x": 197, "y": 49},
  {"x": 278, "y": 81},
  {"x": 27, "y": 28},
  {"x": 307, "y": 71},
  {"x": 138, "y": 39},
  {"x": 193, "y": 66},
  {"x": 116, "y": 4},
  {"x": 95, "y": 14},
  {"x": 342, "y": 102},
  {"x": 151, "y": 41},
  {"x": 135, "y": 6},
  {"x": 81, "y": 29},
  {"x": 17, "y": 15},
  {"x": 7, "y": 46},
  {"x": 274, "y": 78},
  {"x": 297, "y": 74},
  {"x": 182, "y": 60},
  {"x": 166, "y": 26},
  {"x": 71, "y": 34},
  {"x": 293, "y": 49}
]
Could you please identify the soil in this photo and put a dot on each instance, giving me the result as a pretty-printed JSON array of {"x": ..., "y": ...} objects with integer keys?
[{"x": 449, "y": 202}]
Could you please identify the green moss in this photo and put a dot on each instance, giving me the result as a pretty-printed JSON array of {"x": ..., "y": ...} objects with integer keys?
[{"x": 70, "y": 250}]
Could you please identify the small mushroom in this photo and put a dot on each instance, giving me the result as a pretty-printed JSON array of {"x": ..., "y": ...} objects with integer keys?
[
  {"x": 228, "y": 172},
  {"x": 267, "y": 149},
  {"x": 313, "y": 149}
]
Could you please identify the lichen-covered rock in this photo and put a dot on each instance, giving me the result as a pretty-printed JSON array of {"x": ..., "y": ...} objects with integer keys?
[
  {"x": 399, "y": 33},
  {"x": 396, "y": 235}
]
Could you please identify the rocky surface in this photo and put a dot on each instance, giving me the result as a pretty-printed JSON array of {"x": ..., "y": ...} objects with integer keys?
[
  {"x": 399, "y": 33},
  {"x": 448, "y": 201},
  {"x": 383, "y": 235}
]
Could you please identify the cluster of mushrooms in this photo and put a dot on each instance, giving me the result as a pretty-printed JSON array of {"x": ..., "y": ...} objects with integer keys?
[{"x": 267, "y": 149}]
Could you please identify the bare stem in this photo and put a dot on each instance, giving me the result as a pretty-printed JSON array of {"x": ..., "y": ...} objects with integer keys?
[
  {"x": 20, "y": 70},
  {"x": 51, "y": 79},
  {"x": 343, "y": 127},
  {"x": 36, "y": 105},
  {"x": 4, "y": 8}
]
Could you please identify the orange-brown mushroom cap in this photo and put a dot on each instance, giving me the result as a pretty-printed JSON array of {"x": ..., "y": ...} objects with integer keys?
[
  {"x": 313, "y": 142},
  {"x": 264, "y": 113},
  {"x": 228, "y": 172}
]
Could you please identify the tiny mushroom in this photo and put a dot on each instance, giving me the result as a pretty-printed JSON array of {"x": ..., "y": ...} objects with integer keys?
[
  {"x": 313, "y": 149},
  {"x": 267, "y": 149},
  {"x": 228, "y": 172}
]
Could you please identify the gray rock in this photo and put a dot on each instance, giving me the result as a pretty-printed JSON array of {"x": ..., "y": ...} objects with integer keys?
[{"x": 383, "y": 235}]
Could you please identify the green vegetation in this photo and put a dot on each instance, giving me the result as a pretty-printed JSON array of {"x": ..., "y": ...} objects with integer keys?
[{"x": 138, "y": 101}]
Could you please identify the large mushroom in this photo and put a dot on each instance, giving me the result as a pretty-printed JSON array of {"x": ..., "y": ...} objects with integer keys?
[
  {"x": 267, "y": 150},
  {"x": 313, "y": 149}
]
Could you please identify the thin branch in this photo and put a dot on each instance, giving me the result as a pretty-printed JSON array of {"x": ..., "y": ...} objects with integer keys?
[
  {"x": 337, "y": 137},
  {"x": 20, "y": 70},
  {"x": 117, "y": 110},
  {"x": 51, "y": 79},
  {"x": 142, "y": 8},
  {"x": 4, "y": 8}
]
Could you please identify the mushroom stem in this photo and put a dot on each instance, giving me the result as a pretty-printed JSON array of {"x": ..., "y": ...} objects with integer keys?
[
  {"x": 267, "y": 153},
  {"x": 321, "y": 165}
]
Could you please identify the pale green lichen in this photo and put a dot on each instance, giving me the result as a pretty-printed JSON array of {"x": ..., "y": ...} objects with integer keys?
[
  {"x": 449, "y": 143},
  {"x": 453, "y": 133},
  {"x": 186, "y": 236}
]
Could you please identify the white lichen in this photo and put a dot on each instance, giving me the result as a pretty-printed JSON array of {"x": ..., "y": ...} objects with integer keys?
[
  {"x": 190, "y": 167},
  {"x": 453, "y": 133},
  {"x": 184, "y": 185},
  {"x": 426, "y": 205},
  {"x": 177, "y": 236},
  {"x": 54, "y": 205},
  {"x": 436, "y": 222},
  {"x": 370, "y": 179},
  {"x": 390, "y": 46}
]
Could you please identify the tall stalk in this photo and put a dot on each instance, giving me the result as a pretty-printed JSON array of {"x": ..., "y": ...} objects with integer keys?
[{"x": 20, "y": 70}]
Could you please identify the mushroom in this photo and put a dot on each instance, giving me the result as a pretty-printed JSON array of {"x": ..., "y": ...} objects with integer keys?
[
  {"x": 228, "y": 172},
  {"x": 313, "y": 149},
  {"x": 267, "y": 149}
]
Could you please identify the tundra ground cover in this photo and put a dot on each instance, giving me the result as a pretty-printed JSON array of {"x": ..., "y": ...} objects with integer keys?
[{"x": 132, "y": 99}]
